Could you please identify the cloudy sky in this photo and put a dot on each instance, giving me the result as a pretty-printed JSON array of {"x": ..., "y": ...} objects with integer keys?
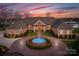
[{"x": 41, "y": 9}]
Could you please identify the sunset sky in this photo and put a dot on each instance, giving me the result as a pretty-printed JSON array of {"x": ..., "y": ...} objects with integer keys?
[{"x": 57, "y": 10}]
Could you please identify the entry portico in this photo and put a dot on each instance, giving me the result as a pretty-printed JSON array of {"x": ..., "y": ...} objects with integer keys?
[{"x": 39, "y": 26}]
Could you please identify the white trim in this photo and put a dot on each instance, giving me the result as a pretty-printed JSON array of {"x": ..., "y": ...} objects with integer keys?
[
  {"x": 40, "y": 22},
  {"x": 68, "y": 32},
  {"x": 34, "y": 29}
]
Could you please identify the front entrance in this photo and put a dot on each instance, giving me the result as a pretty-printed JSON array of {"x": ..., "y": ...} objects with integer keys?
[
  {"x": 39, "y": 31},
  {"x": 39, "y": 28}
]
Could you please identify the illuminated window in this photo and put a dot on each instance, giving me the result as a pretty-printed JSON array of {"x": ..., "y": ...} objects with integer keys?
[
  {"x": 68, "y": 32},
  {"x": 61, "y": 32}
]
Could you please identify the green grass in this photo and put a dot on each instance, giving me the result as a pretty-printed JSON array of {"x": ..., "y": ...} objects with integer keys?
[
  {"x": 70, "y": 43},
  {"x": 47, "y": 33},
  {"x": 29, "y": 33},
  {"x": 3, "y": 49},
  {"x": 72, "y": 46},
  {"x": 76, "y": 30}
]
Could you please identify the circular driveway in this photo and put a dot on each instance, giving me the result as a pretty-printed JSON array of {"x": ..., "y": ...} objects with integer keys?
[
  {"x": 6, "y": 41},
  {"x": 57, "y": 48}
]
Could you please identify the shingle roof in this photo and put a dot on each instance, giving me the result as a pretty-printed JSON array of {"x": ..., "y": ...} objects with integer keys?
[
  {"x": 56, "y": 23},
  {"x": 16, "y": 25},
  {"x": 30, "y": 21},
  {"x": 61, "y": 25},
  {"x": 46, "y": 20},
  {"x": 65, "y": 26}
]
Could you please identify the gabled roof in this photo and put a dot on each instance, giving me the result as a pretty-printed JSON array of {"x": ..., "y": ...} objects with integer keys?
[
  {"x": 39, "y": 22},
  {"x": 31, "y": 21}
]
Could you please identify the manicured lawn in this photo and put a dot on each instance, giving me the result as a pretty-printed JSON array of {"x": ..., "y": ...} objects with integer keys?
[
  {"x": 47, "y": 33},
  {"x": 70, "y": 43},
  {"x": 29, "y": 33},
  {"x": 72, "y": 46}
]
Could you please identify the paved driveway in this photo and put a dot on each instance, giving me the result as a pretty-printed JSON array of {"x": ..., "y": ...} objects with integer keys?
[
  {"x": 57, "y": 48},
  {"x": 6, "y": 41}
]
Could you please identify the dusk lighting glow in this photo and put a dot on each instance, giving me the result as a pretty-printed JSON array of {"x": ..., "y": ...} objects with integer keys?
[{"x": 40, "y": 10}]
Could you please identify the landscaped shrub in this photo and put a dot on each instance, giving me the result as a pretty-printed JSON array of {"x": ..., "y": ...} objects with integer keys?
[
  {"x": 11, "y": 35},
  {"x": 48, "y": 33},
  {"x": 3, "y": 49},
  {"x": 29, "y": 33}
]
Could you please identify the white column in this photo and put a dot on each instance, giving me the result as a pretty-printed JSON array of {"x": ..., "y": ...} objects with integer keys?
[{"x": 34, "y": 28}]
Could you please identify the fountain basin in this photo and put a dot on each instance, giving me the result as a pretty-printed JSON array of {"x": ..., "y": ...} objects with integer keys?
[
  {"x": 39, "y": 40},
  {"x": 38, "y": 43}
]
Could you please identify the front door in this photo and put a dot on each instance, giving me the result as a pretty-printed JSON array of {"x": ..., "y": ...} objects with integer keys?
[{"x": 39, "y": 28}]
